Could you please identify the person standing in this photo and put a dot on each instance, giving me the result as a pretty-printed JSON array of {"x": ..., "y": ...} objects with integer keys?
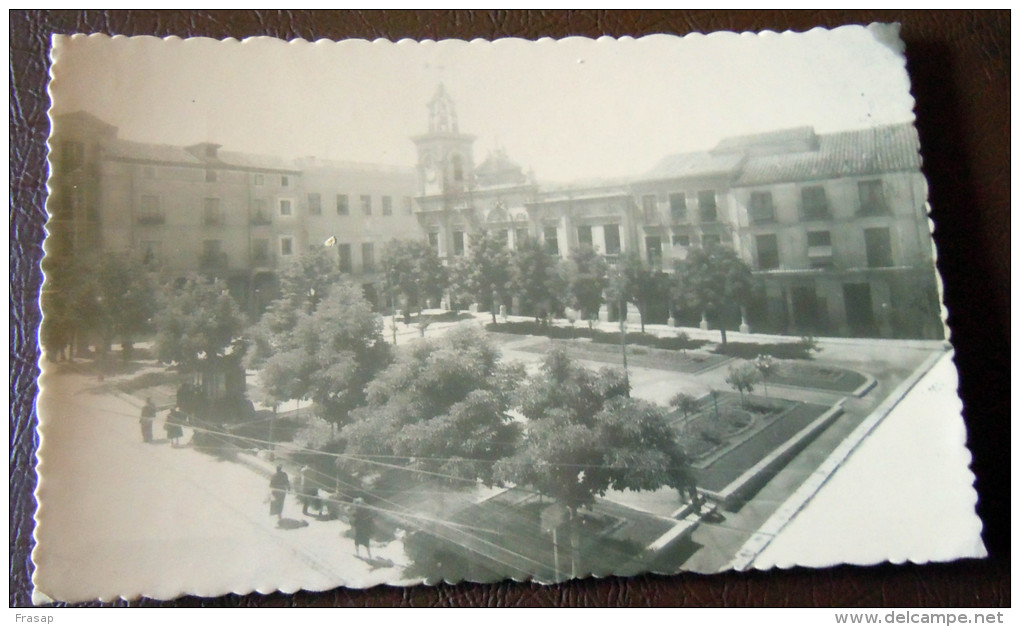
[
  {"x": 309, "y": 492},
  {"x": 363, "y": 524},
  {"x": 279, "y": 484},
  {"x": 148, "y": 416},
  {"x": 174, "y": 420}
]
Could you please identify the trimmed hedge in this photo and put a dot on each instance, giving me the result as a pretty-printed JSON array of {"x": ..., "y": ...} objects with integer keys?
[{"x": 679, "y": 342}]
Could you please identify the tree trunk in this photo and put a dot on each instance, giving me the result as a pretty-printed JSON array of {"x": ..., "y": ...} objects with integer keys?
[{"x": 722, "y": 330}]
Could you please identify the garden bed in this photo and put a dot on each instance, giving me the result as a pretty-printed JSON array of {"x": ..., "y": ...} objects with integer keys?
[
  {"x": 817, "y": 377},
  {"x": 679, "y": 361}
]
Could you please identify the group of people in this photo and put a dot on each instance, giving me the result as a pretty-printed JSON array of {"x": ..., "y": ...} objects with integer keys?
[
  {"x": 360, "y": 515},
  {"x": 173, "y": 425}
]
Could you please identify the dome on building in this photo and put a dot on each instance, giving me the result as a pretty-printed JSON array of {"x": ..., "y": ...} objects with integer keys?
[{"x": 498, "y": 170}]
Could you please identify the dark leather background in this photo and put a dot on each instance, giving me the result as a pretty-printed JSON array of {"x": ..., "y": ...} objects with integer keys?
[{"x": 960, "y": 67}]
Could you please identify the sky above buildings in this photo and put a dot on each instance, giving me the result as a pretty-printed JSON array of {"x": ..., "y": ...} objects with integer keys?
[{"x": 574, "y": 109}]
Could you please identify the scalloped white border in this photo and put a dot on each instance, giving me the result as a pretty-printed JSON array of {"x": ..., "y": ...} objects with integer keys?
[{"x": 797, "y": 502}]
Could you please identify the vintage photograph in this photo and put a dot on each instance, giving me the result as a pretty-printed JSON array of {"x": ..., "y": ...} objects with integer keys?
[{"x": 321, "y": 314}]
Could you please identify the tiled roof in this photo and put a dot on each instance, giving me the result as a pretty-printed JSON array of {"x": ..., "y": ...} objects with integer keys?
[
  {"x": 694, "y": 164},
  {"x": 783, "y": 140},
  {"x": 849, "y": 153},
  {"x": 255, "y": 162}
]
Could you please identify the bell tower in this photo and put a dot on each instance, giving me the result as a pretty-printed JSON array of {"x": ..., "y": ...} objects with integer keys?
[{"x": 445, "y": 155}]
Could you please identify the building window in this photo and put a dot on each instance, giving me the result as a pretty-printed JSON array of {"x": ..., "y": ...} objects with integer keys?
[
  {"x": 710, "y": 240},
  {"x": 681, "y": 240},
  {"x": 552, "y": 246},
  {"x": 259, "y": 215},
  {"x": 458, "y": 243},
  {"x": 408, "y": 205},
  {"x": 315, "y": 204},
  {"x": 768, "y": 251},
  {"x": 344, "y": 252},
  {"x": 72, "y": 154},
  {"x": 819, "y": 249},
  {"x": 286, "y": 208},
  {"x": 819, "y": 238},
  {"x": 210, "y": 176},
  {"x": 878, "y": 247},
  {"x": 761, "y": 207},
  {"x": 872, "y": 197},
  {"x": 212, "y": 215},
  {"x": 387, "y": 205},
  {"x": 366, "y": 205},
  {"x": 584, "y": 236},
  {"x": 678, "y": 206},
  {"x": 612, "y": 234},
  {"x": 653, "y": 248},
  {"x": 260, "y": 179},
  {"x": 367, "y": 257},
  {"x": 650, "y": 207},
  {"x": 286, "y": 246},
  {"x": 434, "y": 241},
  {"x": 149, "y": 172},
  {"x": 343, "y": 207},
  {"x": 520, "y": 236},
  {"x": 284, "y": 180},
  {"x": 706, "y": 205},
  {"x": 813, "y": 203},
  {"x": 149, "y": 211},
  {"x": 212, "y": 257},
  {"x": 260, "y": 251},
  {"x": 152, "y": 253}
]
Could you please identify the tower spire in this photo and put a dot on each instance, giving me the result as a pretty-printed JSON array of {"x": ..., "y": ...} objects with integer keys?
[{"x": 442, "y": 113}]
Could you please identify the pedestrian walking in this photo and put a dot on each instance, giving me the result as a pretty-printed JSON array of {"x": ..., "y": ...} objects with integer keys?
[
  {"x": 308, "y": 492},
  {"x": 279, "y": 484},
  {"x": 363, "y": 524},
  {"x": 148, "y": 416},
  {"x": 173, "y": 429}
]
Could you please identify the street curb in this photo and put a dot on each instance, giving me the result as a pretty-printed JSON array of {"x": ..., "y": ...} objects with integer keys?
[{"x": 760, "y": 539}]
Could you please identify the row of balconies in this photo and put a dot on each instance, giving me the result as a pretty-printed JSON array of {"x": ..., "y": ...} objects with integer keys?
[{"x": 159, "y": 219}]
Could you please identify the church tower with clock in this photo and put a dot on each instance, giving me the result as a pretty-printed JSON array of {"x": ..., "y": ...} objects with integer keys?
[{"x": 445, "y": 155}]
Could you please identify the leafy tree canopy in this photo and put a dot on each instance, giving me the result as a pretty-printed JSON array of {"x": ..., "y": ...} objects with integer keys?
[
  {"x": 536, "y": 280},
  {"x": 484, "y": 273},
  {"x": 710, "y": 279},
  {"x": 413, "y": 269},
  {"x": 105, "y": 294},
  {"x": 633, "y": 281},
  {"x": 442, "y": 408},
  {"x": 585, "y": 436},
  {"x": 196, "y": 320},
  {"x": 585, "y": 277},
  {"x": 327, "y": 355}
]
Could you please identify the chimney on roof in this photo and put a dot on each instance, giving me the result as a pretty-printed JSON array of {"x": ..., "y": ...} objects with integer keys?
[{"x": 204, "y": 150}]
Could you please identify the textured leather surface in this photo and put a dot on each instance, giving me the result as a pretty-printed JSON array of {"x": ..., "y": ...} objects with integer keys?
[{"x": 960, "y": 66}]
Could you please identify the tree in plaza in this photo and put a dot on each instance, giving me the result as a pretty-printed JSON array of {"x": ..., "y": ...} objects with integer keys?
[
  {"x": 105, "y": 296},
  {"x": 633, "y": 281},
  {"x": 585, "y": 276},
  {"x": 766, "y": 365},
  {"x": 413, "y": 269},
  {"x": 483, "y": 275},
  {"x": 536, "y": 280},
  {"x": 585, "y": 435},
  {"x": 310, "y": 277},
  {"x": 441, "y": 409},
  {"x": 196, "y": 320},
  {"x": 710, "y": 279},
  {"x": 684, "y": 403},
  {"x": 742, "y": 378},
  {"x": 327, "y": 353}
]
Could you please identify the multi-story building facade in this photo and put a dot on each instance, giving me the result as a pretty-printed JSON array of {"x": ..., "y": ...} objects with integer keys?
[
  {"x": 835, "y": 226},
  {"x": 239, "y": 217}
]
